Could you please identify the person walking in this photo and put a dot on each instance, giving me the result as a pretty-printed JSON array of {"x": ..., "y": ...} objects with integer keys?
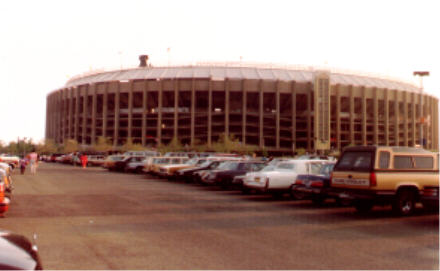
[
  {"x": 33, "y": 160},
  {"x": 84, "y": 160},
  {"x": 23, "y": 164}
]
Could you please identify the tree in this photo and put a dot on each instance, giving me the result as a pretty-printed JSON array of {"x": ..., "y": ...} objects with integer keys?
[
  {"x": 48, "y": 146},
  {"x": 104, "y": 144},
  {"x": 174, "y": 146},
  {"x": 129, "y": 146},
  {"x": 71, "y": 145}
]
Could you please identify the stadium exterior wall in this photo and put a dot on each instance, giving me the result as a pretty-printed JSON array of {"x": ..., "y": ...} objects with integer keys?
[{"x": 277, "y": 114}]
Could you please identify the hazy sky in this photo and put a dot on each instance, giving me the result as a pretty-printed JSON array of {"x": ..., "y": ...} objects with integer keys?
[{"x": 43, "y": 43}]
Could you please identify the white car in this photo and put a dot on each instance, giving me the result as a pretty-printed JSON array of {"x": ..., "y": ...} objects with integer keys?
[{"x": 277, "y": 179}]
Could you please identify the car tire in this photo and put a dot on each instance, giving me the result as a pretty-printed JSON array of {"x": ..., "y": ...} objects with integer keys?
[
  {"x": 297, "y": 195},
  {"x": 363, "y": 206},
  {"x": 318, "y": 200},
  {"x": 404, "y": 203},
  {"x": 245, "y": 191}
]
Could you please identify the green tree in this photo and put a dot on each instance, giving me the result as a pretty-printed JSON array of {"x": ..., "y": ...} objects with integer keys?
[
  {"x": 48, "y": 146},
  {"x": 103, "y": 144},
  {"x": 130, "y": 146},
  {"x": 70, "y": 145}
]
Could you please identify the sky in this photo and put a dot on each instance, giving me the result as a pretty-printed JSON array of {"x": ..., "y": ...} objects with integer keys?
[{"x": 44, "y": 43}]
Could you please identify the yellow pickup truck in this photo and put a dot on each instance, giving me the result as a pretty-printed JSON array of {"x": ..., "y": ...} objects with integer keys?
[{"x": 379, "y": 175}]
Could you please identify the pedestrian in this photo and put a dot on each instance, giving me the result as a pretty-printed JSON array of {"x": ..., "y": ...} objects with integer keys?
[
  {"x": 33, "y": 160},
  {"x": 84, "y": 160},
  {"x": 23, "y": 164}
]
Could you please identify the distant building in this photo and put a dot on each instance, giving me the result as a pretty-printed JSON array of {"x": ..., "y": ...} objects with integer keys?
[{"x": 280, "y": 109}]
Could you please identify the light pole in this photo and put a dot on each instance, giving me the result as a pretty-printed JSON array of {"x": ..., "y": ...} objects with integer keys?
[{"x": 421, "y": 74}]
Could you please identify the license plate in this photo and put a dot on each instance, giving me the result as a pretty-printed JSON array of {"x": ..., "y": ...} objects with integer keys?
[{"x": 257, "y": 179}]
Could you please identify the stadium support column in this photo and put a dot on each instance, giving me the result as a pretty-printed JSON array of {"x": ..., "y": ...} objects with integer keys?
[
  {"x": 375, "y": 117},
  {"x": 309, "y": 117},
  {"x": 159, "y": 114},
  {"x": 105, "y": 111},
  {"x": 116, "y": 118},
  {"x": 261, "y": 136},
  {"x": 210, "y": 113},
  {"x": 176, "y": 108},
  {"x": 413, "y": 119},
  {"x": 435, "y": 122},
  {"x": 57, "y": 115},
  {"x": 405, "y": 118},
  {"x": 94, "y": 107},
  {"x": 396, "y": 118},
  {"x": 144, "y": 114},
  {"x": 70, "y": 120},
  {"x": 226, "y": 109},
  {"x": 193, "y": 111},
  {"x": 277, "y": 124},
  {"x": 130, "y": 110},
  {"x": 364, "y": 116},
  {"x": 431, "y": 121},
  {"x": 351, "y": 104},
  {"x": 292, "y": 88},
  {"x": 66, "y": 114},
  {"x": 84, "y": 118},
  {"x": 243, "y": 113},
  {"x": 387, "y": 117},
  {"x": 75, "y": 135},
  {"x": 338, "y": 118}
]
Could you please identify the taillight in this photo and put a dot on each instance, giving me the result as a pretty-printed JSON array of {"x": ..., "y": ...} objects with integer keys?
[
  {"x": 299, "y": 181},
  {"x": 373, "y": 181},
  {"x": 317, "y": 184}
]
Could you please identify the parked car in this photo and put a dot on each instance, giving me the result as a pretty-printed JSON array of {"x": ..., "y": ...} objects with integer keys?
[
  {"x": 224, "y": 174},
  {"x": 4, "y": 198},
  {"x": 110, "y": 161},
  {"x": 379, "y": 175},
  {"x": 95, "y": 160},
  {"x": 280, "y": 178},
  {"x": 135, "y": 164},
  {"x": 18, "y": 253},
  {"x": 160, "y": 161},
  {"x": 5, "y": 175},
  {"x": 188, "y": 174},
  {"x": 170, "y": 171},
  {"x": 11, "y": 160},
  {"x": 314, "y": 185}
]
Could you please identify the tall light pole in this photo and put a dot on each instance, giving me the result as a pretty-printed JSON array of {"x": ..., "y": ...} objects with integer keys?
[{"x": 422, "y": 120}]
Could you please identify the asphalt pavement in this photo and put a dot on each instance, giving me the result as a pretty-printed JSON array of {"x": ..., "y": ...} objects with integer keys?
[{"x": 95, "y": 219}]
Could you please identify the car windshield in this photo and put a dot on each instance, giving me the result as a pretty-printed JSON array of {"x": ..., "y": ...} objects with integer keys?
[
  {"x": 206, "y": 163},
  {"x": 192, "y": 161},
  {"x": 268, "y": 168},
  {"x": 326, "y": 169},
  {"x": 228, "y": 166},
  {"x": 356, "y": 161}
]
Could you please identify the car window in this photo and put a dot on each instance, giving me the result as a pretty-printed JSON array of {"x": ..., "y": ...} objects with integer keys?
[
  {"x": 286, "y": 166},
  {"x": 258, "y": 166},
  {"x": 423, "y": 162},
  {"x": 402, "y": 162},
  {"x": 384, "y": 159}
]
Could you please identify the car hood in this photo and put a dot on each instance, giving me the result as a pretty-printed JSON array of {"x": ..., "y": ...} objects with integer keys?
[{"x": 17, "y": 252}]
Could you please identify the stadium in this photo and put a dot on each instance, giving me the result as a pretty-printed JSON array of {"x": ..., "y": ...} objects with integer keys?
[{"x": 278, "y": 109}]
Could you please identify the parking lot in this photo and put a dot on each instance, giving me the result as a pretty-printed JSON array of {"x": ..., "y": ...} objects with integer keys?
[{"x": 95, "y": 219}]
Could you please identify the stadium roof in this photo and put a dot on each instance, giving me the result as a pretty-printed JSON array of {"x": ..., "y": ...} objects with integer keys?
[{"x": 214, "y": 72}]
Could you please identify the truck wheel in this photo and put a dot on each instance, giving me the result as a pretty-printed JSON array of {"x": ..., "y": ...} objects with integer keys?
[
  {"x": 405, "y": 203},
  {"x": 363, "y": 206}
]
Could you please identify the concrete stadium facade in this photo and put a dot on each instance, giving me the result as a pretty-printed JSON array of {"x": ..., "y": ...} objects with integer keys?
[{"x": 278, "y": 109}]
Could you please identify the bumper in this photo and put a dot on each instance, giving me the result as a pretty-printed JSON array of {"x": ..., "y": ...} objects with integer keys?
[{"x": 358, "y": 194}]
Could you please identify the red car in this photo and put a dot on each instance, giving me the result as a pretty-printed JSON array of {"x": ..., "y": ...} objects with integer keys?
[{"x": 4, "y": 201}]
